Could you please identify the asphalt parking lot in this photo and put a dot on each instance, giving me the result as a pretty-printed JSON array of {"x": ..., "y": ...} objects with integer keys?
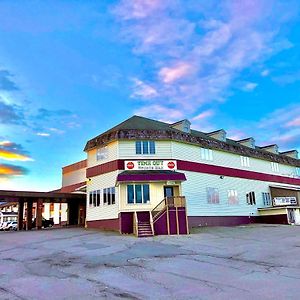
[{"x": 252, "y": 262}]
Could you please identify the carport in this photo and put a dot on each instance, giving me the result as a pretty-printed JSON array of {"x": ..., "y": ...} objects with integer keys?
[{"x": 76, "y": 206}]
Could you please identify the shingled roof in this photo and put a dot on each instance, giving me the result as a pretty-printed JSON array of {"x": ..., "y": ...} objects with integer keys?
[{"x": 138, "y": 127}]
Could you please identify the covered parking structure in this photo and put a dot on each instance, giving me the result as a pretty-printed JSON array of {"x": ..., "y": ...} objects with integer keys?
[{"x": 76, "y": 206}]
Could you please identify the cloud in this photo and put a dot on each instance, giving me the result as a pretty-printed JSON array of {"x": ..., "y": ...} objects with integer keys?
[
  {"x": 195, "y": 53},
  {"x": 8, "y": 171},
  {"x": 203, "y": 115},
  {"x": 171, "y": 74},
  {"x": 143, "y": 90},
  {"x": 294, "y": 123},
  {"x": 6, "y": 83},
  {"x": 288, "y": 78},
  {"x": 11, "y": 114},
  {"x": 265, "y": 73},
  {"x": 160, "y": 112},
  {"x": 13, "y": 152},
  {"x": 250, "y": 86},
  {"x": 46, "y": 114},
  {"x": 45, "y": 134}
]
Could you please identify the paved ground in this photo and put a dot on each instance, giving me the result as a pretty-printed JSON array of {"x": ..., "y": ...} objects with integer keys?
[{"x": 253, "y": 262}]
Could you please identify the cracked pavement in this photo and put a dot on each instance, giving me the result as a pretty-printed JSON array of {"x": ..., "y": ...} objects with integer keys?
[{"x": 246, "y": 262}]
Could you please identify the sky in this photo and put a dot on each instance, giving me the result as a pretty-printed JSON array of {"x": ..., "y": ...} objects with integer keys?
[{"x": 70, "y": 70}]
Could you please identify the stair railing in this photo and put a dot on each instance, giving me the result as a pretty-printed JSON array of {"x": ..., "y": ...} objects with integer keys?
[{"x": 135, "y": 224}]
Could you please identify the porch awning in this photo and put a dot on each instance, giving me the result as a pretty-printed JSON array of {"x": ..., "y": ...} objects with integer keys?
[{"x": 128, "y": 176}]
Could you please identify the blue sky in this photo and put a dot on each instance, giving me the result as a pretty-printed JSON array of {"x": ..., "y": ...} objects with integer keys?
[{"x": 71, "y": 69}]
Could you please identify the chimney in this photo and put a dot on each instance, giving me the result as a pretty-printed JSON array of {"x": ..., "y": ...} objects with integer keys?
[{"x": 218, "y": 135}]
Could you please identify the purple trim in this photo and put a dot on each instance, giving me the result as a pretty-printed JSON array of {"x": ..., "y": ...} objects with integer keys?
[
  {"x": 151, "y": 177},
  {"x": 126, "y": 222}
]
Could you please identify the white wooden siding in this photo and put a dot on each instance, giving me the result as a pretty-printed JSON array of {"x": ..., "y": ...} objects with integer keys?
[
  {"x": 194, "y": 189},
  {"x": 112, "y": 154},
  {"x": 162, "y": 150},
  {"x": 103, "y": 211},
  {"x": 74, "y": 177},
  {"x": 189, "y": 152}
]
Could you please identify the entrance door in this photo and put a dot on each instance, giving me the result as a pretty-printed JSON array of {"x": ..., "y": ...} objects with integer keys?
[{"x": 168, "y": 191}]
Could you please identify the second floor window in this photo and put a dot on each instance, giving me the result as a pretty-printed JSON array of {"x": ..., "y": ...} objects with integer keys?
[
  {"x": 274, "y": 166},
  {"x": 245, "y": 161},
  {"x": 102, "y": 153},
  {"x": 145, "y": 147},
  {"x": 206, "y": 154}
]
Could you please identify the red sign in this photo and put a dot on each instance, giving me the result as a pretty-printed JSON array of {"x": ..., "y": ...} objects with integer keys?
[
  {"x": 171, "y": 165},
  {"x": 130, "y": 165}
]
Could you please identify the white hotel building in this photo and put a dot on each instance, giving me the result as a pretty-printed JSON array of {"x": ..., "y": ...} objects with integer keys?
[{"x": 148, "y": 177}]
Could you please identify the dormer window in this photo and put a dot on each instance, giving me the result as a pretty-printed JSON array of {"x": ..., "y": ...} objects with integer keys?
[{"x": 184, "y": 125}]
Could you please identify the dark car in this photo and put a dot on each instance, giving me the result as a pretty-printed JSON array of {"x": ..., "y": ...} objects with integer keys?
[{"x": 45, "y": 223}]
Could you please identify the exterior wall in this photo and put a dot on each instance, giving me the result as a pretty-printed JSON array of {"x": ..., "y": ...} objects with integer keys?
[
  {"x": 156, "y": 196},
  {"x": 46, "y": 213},
  {"x": 189, "y": 152},
  {"x": 74, "y": 177},
  {"x": 103, "y": 211},
  {"x": 109, "y": 224},
  {"x": 64, "y": 212},
  {"x": 112, "y": 154},
  {"x": 272, "y": 212},
  {"x": 163, "y": 149}
]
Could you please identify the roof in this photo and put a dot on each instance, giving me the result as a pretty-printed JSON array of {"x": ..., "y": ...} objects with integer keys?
[{"x": 138, "y": 127}]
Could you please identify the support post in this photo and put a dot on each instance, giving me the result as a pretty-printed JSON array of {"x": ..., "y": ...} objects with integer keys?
[
  {"x": 20, "y": 214},
  {"x": 168, "y": 221},
  {"x": 29, "y": 216},
  {"x": 177, "y": 220},
  {"x": 39, "y": 208}
]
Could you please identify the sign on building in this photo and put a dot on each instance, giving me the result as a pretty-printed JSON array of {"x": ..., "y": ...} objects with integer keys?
[
  {"x": 284, "y": 201},
  {"x": 151, "y": 165}
]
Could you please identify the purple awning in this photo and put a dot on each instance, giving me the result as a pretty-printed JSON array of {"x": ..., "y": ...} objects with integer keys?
[{"x": 128, "y": 176}]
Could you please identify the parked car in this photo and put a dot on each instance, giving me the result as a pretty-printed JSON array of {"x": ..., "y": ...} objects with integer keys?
[
  {"x": 45, "y": 223},
  {"x": 13, "y": 225},
  {"x": 2, "y": 225}
]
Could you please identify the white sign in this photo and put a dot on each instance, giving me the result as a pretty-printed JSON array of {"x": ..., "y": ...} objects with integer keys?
[
  {"x": 150, "y": 165},
  {"x": 285, "y": 201}
]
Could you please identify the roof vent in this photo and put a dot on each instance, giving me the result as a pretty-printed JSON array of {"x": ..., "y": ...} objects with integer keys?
[
  {"x": 248, "y": 142},
  {"x": 218, "y": 135},
  {"x": 184, "y": 125},
  {"x": 270, "y": 148},
  {"x": 290, "y": 153}
]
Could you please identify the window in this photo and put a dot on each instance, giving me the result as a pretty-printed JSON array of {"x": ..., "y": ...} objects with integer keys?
[
  {"x": 251, "y": 198},
  {"x": 266, "y": 199},
  {"x": 274, "y": 166},
  {"x": 95, "y": 198},
  {"x": 109, "y": 196},
  {"x": 245, "y": 161},
  {"x": 102, "y": 153},
  {"x": 233, "y": 197},
  {"x": 297, "y": 172},
  {"x": 206, "y": 154},
  {"x": 212, "y": 195},
  {"x": 145, "y": 147},
  {"x": 138, "y": 193}
]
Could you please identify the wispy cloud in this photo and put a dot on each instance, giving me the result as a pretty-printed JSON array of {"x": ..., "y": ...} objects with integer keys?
[
  {"x": 11, "y": 114},
  {"x": 143, "y": 90},
  {"x": 203, "y": 115},
  {"x": 45, "y": 134},
  {"x": 196, "y": 61},
  {"x": 250, "y": 86},
  {"x": 6, "y": 82},
  {"x": 8, "y": 171},
  {"x": 13, "y": 152}
]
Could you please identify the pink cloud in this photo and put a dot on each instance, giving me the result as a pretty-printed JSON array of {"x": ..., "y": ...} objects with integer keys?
[
  {"x": 294, "y": 123},
  {"x": 143, "y": 90},
  {"x": 161, "y": 112},
  {"x": 171, "y": 74},
  {"x": 204, "y": 115}
]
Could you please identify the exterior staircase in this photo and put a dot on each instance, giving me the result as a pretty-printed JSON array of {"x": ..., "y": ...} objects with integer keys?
[{"x": 145, "y": 229}]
